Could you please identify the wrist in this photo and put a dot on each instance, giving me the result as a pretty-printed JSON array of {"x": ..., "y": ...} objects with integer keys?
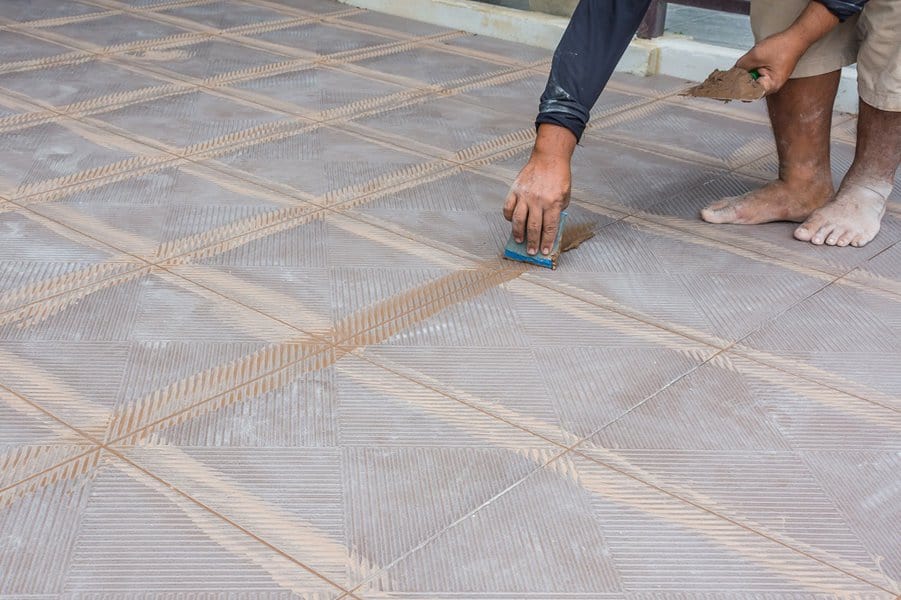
[{"x": 554, "y": 142}]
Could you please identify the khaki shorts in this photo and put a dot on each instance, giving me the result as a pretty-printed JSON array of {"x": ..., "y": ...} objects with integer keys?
[{"x": 872, "y": 39}]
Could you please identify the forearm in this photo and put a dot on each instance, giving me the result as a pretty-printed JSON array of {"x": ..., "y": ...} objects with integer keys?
[
  {"x": 594, "y": 41},
  {"x": 812, "y": 24}
]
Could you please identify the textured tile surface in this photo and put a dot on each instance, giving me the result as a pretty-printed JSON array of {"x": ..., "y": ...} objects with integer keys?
[{"x": 256, "y": 340}]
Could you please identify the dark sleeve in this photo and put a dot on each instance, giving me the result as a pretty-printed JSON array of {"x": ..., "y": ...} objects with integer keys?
[
  {"x": 594, "y": 41},
  {"x": 843, "y": 8}
]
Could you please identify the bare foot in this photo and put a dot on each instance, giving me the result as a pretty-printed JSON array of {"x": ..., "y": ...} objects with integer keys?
[
  {"x": 776, "y": 201},
  {"x": 852, "y": 218}
]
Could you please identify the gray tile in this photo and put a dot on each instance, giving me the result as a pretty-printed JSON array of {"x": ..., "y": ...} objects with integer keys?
[
  {"x": 495, "y": 552},
  {"x": 69, "y": 84},
  {"x": 322, "y": 89},
  {"x": 218, "y": 556},
  {"x": 50, "y": 152},
  {"x": 76, "y": 381},
  {"x": 663, "y": 547},
  {"x": 165, "y": 214},
  {"x": 379, "y": 408},
  {"x": 694, "y": 134},
  {"x": 423, "y": 66},
  {"x": 205, "y": 59},
  {"x": 36, "y": 553},
  {"x": 863, "y": 489},
  {"x": 33, "y": 10},
  {"x": 501, "y": 50},
  {"x": 224, "y": 15},
  {"x": 320, "y": 38},
  {"x": 444, "y": 124},
  {"x": 115, "y": 30},
  {"x": 320, "y": 161},
  {"x": 15, "y": 47},
  {"x": 188, "y": 119},
  {"x": 396, "y": 26},
  {"x": 844, "y": 336}
]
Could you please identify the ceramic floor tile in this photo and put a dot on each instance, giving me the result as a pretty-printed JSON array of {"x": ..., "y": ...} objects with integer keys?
[
  {"x": 881, "y": 271},
  {"x": 653, "y": 537},
  {"x": 857, "y": 352},
  {"x": 445, "y": 125},
  {"x": 735, "y": 404},
  {"x": 52, "y": 155},
  {"x": 216, "y": 557},
  {"x": 396, "y": 26},
  {"x": 320, "y": 38},
  {"x": 540, "y": 539},
  {"x": 323, "y": 160},
  {"x": 33, "y": 10},
  {"x": 203, "y": 60},
  {"x": 379, "y": 407},
  {"x": 16, "y": 46},
  {"x": 172, "y": 214},
  {"x": 223, "y": 15},
  {"x": 114, "y": 30},
  {"x": 322, "y": 89},
  {"x": 694, "y": 134},
  {"x": 501, "y": 50},
  {"x": 70, "y": 84},
  {"x": 430, "y": 66},
  {"x": 194, "y": 118}
]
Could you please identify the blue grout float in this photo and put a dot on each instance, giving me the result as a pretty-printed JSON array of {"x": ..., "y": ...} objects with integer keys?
[{"x": 517, "y": 251}]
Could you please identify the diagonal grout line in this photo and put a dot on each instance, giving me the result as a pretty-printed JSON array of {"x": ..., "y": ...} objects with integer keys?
[
  {"x": 281, "y": 579},
  {"x": 846, "y": 568}
]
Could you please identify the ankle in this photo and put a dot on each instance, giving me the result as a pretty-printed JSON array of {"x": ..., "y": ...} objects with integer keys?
[{"x": 808, "y": 182}]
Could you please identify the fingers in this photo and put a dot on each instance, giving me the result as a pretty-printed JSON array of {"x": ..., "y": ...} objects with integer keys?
[
  {"x": 549, "y": 232},
  {"x": 746, "y": 62},
  {"x": 520, "y": 212},
  {"x": 509, "y": 205},
  {"x": 533, "y": 230}
]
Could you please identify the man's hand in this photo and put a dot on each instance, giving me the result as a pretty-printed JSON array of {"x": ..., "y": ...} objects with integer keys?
[
  {"x": 541, "y": 190},
  {"x": 775, "y": 57}
]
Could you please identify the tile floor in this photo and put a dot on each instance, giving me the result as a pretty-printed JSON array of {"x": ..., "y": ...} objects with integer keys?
[{"x": 256, "y": 340}]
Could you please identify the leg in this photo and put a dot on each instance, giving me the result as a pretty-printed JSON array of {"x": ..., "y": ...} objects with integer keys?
[
  {"x": 855, "y": 214},
  {"x": 801, "y": 114}
]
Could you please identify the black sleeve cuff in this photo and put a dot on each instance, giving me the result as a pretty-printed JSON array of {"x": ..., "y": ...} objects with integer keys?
[
  {"x": 563, "y": 120},
  {"x": 564, "y": 112}
]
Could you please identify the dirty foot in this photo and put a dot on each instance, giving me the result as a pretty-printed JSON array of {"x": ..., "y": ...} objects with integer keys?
[
  {"x": 776, "y": 201},
  {"x": 852, "y": 218}
]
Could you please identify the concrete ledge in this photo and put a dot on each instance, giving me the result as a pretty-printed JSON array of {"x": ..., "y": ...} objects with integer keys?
[{"x": 668, "y": 55}]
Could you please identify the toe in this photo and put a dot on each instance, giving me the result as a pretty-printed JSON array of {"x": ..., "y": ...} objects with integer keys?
[
  {"x": 719, "y": 212},
  {"x": 819, "y": 238},
  {"x": 806, "y": 230},
  {"x": 833, "y": 238},
  {"x": 845, "y": 239}
]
